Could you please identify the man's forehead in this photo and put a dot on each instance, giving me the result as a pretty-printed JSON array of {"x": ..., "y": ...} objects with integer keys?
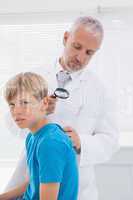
[
  {"x": 92, "y": 44},
  {"x": 84, "y": 32}
]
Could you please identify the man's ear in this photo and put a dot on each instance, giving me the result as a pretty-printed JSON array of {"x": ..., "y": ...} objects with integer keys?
[{"x": 66, "y": 35}]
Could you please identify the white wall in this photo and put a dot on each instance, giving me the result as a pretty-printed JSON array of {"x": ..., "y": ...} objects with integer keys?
[{"x": 17, "y": 6}]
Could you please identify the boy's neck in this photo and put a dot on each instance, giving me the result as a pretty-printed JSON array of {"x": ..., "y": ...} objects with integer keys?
[{"x": 39, "y": 124}]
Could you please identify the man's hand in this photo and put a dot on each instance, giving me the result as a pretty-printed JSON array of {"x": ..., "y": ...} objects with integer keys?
[
  {"x": 74, "y": 137},
  {"x": 51, "y": 104}
]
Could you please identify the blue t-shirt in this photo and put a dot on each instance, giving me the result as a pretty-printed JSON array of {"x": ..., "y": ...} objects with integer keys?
[{"x": 51, "y": 159}]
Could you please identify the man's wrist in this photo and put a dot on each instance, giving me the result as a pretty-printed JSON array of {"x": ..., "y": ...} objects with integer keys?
[{"x": 78, "y": 150}]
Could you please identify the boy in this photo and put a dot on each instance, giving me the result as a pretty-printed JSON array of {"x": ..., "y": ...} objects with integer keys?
[{"x": 51, "y": 159}]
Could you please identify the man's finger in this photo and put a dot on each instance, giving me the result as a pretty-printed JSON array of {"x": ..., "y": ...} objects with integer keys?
[
  {"x": 68, "y": 129},
  {"x": 53, "y": 96}
]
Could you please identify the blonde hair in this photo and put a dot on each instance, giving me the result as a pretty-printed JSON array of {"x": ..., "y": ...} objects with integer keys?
[{"x": 26, "y": 82}]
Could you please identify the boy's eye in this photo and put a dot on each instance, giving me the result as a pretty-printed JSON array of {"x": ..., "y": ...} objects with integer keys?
[
  {"x": 11, "y": 105},
  {"x": 25, "y": 102}
]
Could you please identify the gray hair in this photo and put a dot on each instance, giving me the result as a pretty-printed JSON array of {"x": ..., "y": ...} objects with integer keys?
[{"x": 93, "y": 25}]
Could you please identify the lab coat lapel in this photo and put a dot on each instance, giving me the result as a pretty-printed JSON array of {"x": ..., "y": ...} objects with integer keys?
[{"x": 78, "y": 81}]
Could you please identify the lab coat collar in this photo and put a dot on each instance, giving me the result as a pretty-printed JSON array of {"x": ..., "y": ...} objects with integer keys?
[{"x": 78, "y": 76}]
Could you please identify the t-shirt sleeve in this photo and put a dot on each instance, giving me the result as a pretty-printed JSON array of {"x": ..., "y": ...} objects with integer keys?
[
  {"x": 27, "y": 140},
  {"x": 51, "y": 158}
]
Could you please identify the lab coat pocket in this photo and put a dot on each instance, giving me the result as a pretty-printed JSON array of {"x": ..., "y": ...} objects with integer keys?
[
  {"x": 86, "y": 176},
  {"x": 75, "y": 102},
  {"x": 75, "y": 109}
]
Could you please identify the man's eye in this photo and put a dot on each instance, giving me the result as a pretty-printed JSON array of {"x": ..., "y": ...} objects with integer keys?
[
  {"x": 89, "y": 53},
  {"x": 76, "y": 46}
]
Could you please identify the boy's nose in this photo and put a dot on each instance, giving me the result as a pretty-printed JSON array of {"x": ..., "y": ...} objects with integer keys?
[{"x": 17, "y": 109}]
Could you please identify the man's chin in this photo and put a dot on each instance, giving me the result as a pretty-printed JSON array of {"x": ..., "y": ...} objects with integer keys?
[
  {"x": 75, "y": 69},
  {"x": 72, "y": 67}
]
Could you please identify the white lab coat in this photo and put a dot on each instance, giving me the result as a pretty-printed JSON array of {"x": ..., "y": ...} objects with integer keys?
[{"x": 92, "y": 114}]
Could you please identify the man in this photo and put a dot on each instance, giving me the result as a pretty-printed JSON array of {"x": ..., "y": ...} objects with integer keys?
[{"x": 88, "y": 114}]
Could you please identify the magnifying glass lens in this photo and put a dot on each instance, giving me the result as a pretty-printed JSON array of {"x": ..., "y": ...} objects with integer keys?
[{"x": 61, "y": 93}]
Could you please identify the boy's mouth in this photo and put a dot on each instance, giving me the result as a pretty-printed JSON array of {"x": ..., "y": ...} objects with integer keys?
[{"x": 19, "y": 120}]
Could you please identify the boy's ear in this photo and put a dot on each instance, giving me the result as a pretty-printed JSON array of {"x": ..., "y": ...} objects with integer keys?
[
  {"x": 66, "y": 35},
  {"x": 44, "y": 104}
]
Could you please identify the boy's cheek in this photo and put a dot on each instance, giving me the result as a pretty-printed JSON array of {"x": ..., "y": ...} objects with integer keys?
[
  {"x": 22, "y": 124},
  {"x": 13, "y": 116}
]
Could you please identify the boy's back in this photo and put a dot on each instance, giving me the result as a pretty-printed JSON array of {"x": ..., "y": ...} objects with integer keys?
[{"x": 51, "y": 159}]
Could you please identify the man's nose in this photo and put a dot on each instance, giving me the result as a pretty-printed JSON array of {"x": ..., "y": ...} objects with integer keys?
[{"x": 81, "y": 57}]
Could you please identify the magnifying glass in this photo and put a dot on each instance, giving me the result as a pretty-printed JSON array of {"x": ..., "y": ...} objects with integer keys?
[{"x": 61, "y": 93}]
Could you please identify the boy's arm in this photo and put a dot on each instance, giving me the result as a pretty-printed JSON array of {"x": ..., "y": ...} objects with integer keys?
[
  {"x": 49, "y": 191},
  {"x": 51, "y": 152},
  {"x": 16, "y": 192}
]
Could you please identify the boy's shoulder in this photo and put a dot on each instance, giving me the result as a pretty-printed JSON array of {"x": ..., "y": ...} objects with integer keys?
[
  {"x": 50, "y": 135},
  {"x": 54, "y": 133}
]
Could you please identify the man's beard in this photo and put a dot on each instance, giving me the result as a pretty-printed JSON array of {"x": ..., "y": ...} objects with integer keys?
[{"x": 73, "y": 67}]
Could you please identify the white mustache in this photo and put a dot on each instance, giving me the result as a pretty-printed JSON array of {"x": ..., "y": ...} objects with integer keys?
[{"x": 77, "y": 62}]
